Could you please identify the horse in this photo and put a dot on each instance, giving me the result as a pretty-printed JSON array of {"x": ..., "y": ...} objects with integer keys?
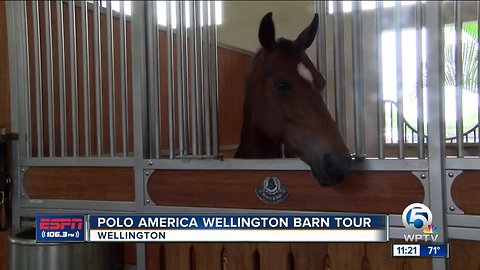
[{"x": 284, "y": 107}]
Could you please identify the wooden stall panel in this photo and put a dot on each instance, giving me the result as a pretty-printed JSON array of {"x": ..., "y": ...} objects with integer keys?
[
  {"x": 80, "y": 183},
  {"x": 177, "y": 256},
  {"x": 233, "y": 70},
  {"x": 282, "y": 256},
  {"x": 207, "y": 256},
  {"x": 309, "y": 256},
  {"x": 4, "y": 249},
  {"x": 345, "y": 255},
  {"x": 235, "y": 256},
  {"x": 239, "y": 256},
  {"x": 169, "y": 256},
  {"x": 274, "y": 256},
  {"x": 379, "y": 256},
  {"x": 464, "y": 254},
  {"x": 465, "y": 192},
  {"x": 152, "y": 256},
  {"x": 130, "y": 253},
  {"x": 371, "y": 192}
]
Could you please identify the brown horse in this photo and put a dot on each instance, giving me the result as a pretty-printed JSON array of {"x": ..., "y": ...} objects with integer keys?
[{"x": 283, "y": 105}]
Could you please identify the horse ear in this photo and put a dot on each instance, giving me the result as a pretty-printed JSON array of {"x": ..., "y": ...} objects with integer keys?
[
  {"x": 305, "y": 39},
  {"x": 266, "y": 32}
]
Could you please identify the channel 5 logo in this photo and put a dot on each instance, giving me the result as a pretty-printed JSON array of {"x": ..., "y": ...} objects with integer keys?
[{"x": 417, "y": 217}]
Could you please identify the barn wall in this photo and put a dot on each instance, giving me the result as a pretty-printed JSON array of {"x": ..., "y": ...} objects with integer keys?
[
  {"x": 240, "y": 21},
  {"x": 4, "y": 109}
]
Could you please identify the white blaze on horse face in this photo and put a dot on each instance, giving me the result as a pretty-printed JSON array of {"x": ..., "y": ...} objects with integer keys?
[{"x": 305, "y": 73}]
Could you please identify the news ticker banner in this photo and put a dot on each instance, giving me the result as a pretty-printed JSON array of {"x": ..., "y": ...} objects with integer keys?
[
  {"x": 212, "y": 228},
  {"x": 420, "y": 250}
]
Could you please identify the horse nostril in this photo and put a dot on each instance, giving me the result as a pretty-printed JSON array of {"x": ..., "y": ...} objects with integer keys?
[{"x": 336, "y": 165}]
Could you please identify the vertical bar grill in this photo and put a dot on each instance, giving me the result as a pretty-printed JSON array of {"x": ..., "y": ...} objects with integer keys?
[
  {"x": 457, "y": 17},
  {"x": 399, "y": 58}
]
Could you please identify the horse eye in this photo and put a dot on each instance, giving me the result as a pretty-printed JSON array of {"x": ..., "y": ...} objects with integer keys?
[{"x": 282, "y": 85}]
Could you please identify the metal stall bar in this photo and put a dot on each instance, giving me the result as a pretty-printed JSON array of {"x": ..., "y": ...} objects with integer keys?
[
  {"x": 111, "y": 82},
  {"x": 23, "y": 82},
  {"x": 214, "y": 77},
  {"x": 339, "y": 66},
  {"x": 379, "y": 60},
  {"x": 86, "y": 79},
  {"x": 170, "y": 79},
  {"x": 399, "y": 68},
  {"x": 28, "y": 101},
  {"x": 198, "y": 79},
  {"x": 73, "y": 76},
  {"x": 419, "y": 65},
  {"x": 139, "y": 30},
  {"x": 193, "y": 78},
  {"x": 457, "y": 17},
  {"x": 206, "y": 80},
  {"x": 152, "y": 73},
  {"x": 38, "y": 78},
  {"x": 321, "y": 9},
  {"x": 436, "y": 125},
  {"x": 185, "y": 72},
  {"x": 359, "y": 104},
  {"x": 478, "y": 74},
  {"x": 16, "y": 19},
  {"x": 98, "y": 76},
  {"x": 123, "y": 79},
  {"x": 158, "y": 58},
  {"x": 182, "y": 85},
  {"x": 191, "y": 71},
  {"x": 49, "y": 75},
  {"x": 198, "y": 75},
  {"x": 61, "y": 78}
]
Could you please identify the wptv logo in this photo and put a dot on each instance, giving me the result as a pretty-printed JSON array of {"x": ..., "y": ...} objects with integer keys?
[{"x": 418, "y": 218}]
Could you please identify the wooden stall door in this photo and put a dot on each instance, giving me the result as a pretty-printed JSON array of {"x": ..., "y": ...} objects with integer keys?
[{"x": 278, "y": 256}]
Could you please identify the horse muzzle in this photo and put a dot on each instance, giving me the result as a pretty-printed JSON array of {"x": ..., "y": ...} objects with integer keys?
[{"x": 335, "y": 165}]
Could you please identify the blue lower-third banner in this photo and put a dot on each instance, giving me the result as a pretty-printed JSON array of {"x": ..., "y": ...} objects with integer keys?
[{"x": 227, "y": 228}]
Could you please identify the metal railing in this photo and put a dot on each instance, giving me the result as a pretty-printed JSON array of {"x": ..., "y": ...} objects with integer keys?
[{"x": 411, "y": 134}]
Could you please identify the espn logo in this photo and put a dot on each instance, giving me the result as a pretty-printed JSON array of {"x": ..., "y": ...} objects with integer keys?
[{"x": 61, "y": 223}]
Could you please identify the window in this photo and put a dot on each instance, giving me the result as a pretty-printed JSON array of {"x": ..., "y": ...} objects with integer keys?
[
  {"x": 162, "y": 8},
  {"x": 469, "y": 92},
  {"x": 367, "y": 5}
]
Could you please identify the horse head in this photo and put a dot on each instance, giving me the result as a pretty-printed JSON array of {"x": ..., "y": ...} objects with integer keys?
[{"x": 284, "y": 105}]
